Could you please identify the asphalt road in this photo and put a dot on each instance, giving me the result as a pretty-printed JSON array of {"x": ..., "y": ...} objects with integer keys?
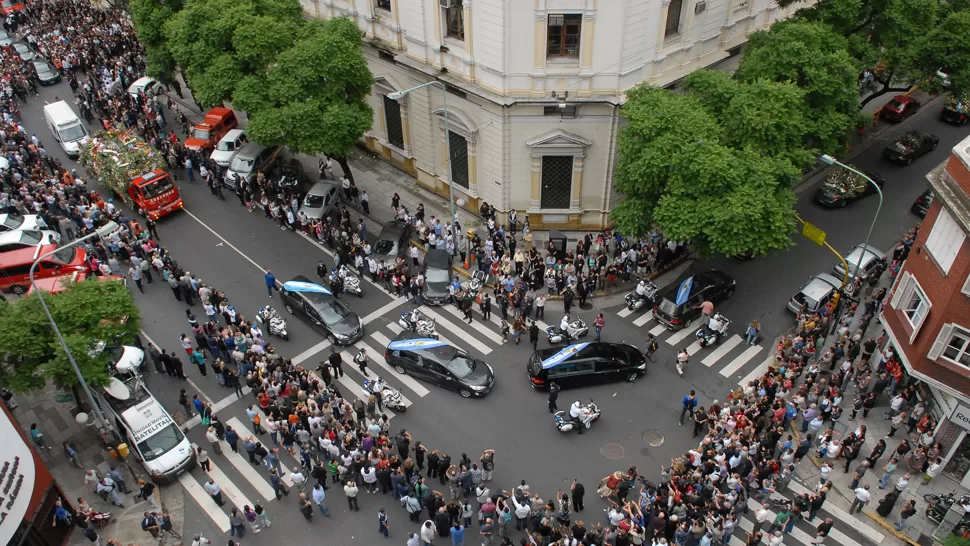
[{"x": 230, "y": 248}]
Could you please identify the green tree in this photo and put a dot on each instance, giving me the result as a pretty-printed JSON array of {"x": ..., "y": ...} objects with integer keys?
[
  {"x": 815, "y": 58},
  {"x": 219, "y": 42},
  {"x": 88, "y": 313},
  {"x": 947, "y": 48},
  {"x": 313, "y": 98},
  {"x": 149, "y": 17}
]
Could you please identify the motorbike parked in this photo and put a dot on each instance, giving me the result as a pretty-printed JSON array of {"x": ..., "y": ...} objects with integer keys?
[
  {"x": 575, "y": 329},
  {"x": 276, "y": 324},
  {"x": 424, "y": 326},
  {"x": 714, "y": 331},
  {"x": 645, "y": 295},
  {"x": 565, "y": 423},
  {"x": 390, "y": 397}
]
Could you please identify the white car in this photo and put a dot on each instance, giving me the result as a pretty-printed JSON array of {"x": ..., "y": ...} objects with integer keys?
[
  {"x": 24, "y": 238},
  {"x": 145, "y": 85},
  {"x": 227, "y": 147},
  {"x": 10, "y": 222}
]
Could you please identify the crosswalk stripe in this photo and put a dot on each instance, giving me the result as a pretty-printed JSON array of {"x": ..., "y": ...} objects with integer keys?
[
  {"x": 244, "y": 467},
  {"x": 352, "y": 389},
  {"x": 841, "y": 514},
  {"x": 451, "y": 327},
  {"x": 693, "y": 348},
  {"x": 497, "y": 321},
  {"x": 305, "y": 355},
  {"x": 724, "y": 349},
  {"x": 741, "y": 360},
  {"x": 203, "y": 499},
  {"x": 796, "y": 533},
  {"x": 645, "y": 318},
  {"x": 228, "y": 487},
  {"x": 658, "y": 329},
  {"x": 625, "y": 312},
  {"x": 378, "y": 357},
  {"x": 383, "y": 311},
  {"x": 683, "y": 334},
  {"x": 396, "y": 328},
  {"x": 757, "y": 372},
  {"x": 486, "y": 332}
]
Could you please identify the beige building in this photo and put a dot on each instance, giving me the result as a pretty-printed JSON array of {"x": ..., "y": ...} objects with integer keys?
[{"x": 534, "y": 89}]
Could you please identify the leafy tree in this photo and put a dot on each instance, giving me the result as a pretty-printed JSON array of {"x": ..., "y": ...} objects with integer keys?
[
  {"x": 947, "y": 48},
  {"x": 815, "y": 58},
  {"x": 219, "y": 42},
  {"x": 87, "y": 313},
  {"x": 313, "y": 98},
  {"x": 149, "y": 17}
]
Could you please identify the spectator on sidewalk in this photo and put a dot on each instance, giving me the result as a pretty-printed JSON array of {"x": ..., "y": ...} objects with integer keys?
[
  {"x": 862, "y": 498},
  {"x": 908, "y": 510}
]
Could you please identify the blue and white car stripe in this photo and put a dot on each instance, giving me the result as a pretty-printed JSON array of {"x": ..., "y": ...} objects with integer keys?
[
  {"x": 563, "y": 355},
  {"x": 412, "y": 344}
]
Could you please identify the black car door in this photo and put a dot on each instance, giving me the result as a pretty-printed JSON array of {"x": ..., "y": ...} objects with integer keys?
[{"x": 316, "y": 321}]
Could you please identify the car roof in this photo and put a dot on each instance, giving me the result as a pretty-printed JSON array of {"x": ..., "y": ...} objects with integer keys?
[
  {"x": 871, "y": 252},
  {"x": 390, "y": 229},
  {"x": 24, "y": 255},
  {"x": 250, "y": 150},
  {"x": 407, "y": 335},
  {"x": 321, "y": 188},
  {"x": 904, "y": 98},
  {"x": 819, "y": 285},
  {"x": 702, "y": 279},
  {"x": 232, "y": 134},
  {"x": 14, "y": 235},
  {"x": 438, "y": 258},
  {"x": 141, "y": 82},
  {"x": 557, "y": 356}
]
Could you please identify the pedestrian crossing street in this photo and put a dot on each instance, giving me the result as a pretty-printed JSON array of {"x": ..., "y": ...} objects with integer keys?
[{"x": 730, "y": 357}]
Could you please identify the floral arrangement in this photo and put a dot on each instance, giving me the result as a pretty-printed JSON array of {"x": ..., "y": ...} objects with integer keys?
[
  {"x": 844, "y": 183},
  {"x": 114, "y": 158}
]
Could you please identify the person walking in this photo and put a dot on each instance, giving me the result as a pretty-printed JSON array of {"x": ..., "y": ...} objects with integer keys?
[
  {"x": 908, "y": 510},
  {"x": 336, "y": 362},
  {"x": 202, "y": 456},
  {"x": 599, "y": 322},
  {"x": 553, "y": 397},
  {"x": 319, "y": 496},
  {"x": 687, "y": 406},
  {"x": 135, "y": 273},
  {"x": 213, "y": 438},
  {"x": 361, "y": 361},
  {"x": 862, "y": 497},
  {"x": 214, "y": 491},
  {"x": 382, "y": 526},
  {"x": 236, "y": 523},
  {"x": 270, "y": 282}
]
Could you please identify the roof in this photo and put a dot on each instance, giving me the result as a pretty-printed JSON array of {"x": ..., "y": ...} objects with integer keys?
[
  {"x": 217, "y": 112},
  {"x": 146, "y": 419},
  {"x": 820, "y": 284},
  {"x": 393, "y": 228},
  {"x": 231, "y": 134},
  {"x": 60, "y": 109},
  {"x": 438, "y": 258},
  {"x": 25, "y": 255}
]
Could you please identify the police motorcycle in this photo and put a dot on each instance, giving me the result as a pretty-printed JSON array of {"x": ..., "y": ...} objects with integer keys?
[
  {"x": 275, "y": 323},
  {"x": 567, "y": 330},
  {"x": 342, "y": 281},
  {"x": 418, "y": 323},
  {"x": 391, "y": 398},
  {"x": 645, "y": 294},
  {"x": 714, "y": 331},
  {"x": 579, "y": 415}
]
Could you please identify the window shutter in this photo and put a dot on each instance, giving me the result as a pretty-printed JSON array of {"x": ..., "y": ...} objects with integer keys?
[
  {"x": 900, "y": 288},
  {"x": 922, "y": 319},
  {"x": 941, "y": 340},
  {"x": 966, "y": 286}
]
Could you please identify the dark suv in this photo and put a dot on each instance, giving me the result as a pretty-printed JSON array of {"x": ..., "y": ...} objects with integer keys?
[
  {"x": 681, "y": 304},
  {"x": 321, "y": 310},
  {"x": 437, "y": 275},
  {"x": 585, "y": 364},
  {"x": 438, "y": 362}
]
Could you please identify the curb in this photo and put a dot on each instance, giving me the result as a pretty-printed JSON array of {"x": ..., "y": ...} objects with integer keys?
[
  {"x": 798, "y": 439},
  {"x": 890, "y": 527}
]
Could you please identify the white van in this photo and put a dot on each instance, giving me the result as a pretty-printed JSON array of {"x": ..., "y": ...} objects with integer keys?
[
  {"x": 227, "y": 147},
  {"x": 66, "y": 127},
  {"x": 153, "y": 437}
]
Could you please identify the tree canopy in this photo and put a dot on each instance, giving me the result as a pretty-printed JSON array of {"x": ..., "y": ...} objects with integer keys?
[
  {"x": 149, "y": 17},
  {"x": 88, "y": 313}
]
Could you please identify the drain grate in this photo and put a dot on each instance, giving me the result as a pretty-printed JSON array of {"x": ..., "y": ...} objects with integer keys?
[
  {"x": 612, "y": 451},
  {"x": 653, "y": 437}
]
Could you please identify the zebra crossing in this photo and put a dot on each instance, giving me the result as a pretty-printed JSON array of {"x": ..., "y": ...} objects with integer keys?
[{"x": 729, "y": 357}]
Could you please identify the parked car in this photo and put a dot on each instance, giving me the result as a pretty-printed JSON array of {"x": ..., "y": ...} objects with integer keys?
[
  {"x": 909, "y": 146},
  {"x": 842, "y": 187},
  {"x": 867, "y": 263},
  {"x": 815, "y": 293},
  {"x": 584, "y": 364},
  {"x": 392, "y": 242},
  {"x": 439, "y": 363},
  {"x": 956, "y": 110},
  {"x": 10, "y": 222},
  {"x": 206, "y": 133},
  {"x": 228, "y": 145},
  {"x": 680, "y": 305},
  {"x": 922, "y": 203},
  {"x": 321, "y": 310},
  {"x": 9, "y": 7},
  {"x": 24, "y": 51},
  {"x": 27, "y": 238},
  {"x": 437, "y": 275},
  {"x": 899, "y": 108},
  {"x": 248, "y": 160},
  {"x": 46, "y": 74},
  {"x": 145, "y": 85},
  {"x": 320, "y": 200},
  {"x": 6, "y": 38}
]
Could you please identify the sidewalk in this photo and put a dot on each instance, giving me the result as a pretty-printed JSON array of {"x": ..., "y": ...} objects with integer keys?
[{"x": 52, "y": 409}]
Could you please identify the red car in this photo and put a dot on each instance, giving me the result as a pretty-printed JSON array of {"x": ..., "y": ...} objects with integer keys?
[
  {"x": 900, "y": 108},
  {"x": 10, "y": 6}
]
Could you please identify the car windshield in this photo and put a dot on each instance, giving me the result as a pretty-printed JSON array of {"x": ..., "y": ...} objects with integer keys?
[
  {"x": 461, "y": 366},
  {"x": 201, "y": 134},
  {"x": 160, "y": 443},
  {"x": 157, "y": 187},
  {"x": 802, "y": 299},
  {"x": 22, "y": 48},
  {"x": 13, "y": 221},
  {"x": 897, "y": 105},
  {"x": 66, "y": 255},
  {"x": 241, "y": 165},
  {"x": 670, "y": 308},
  {"x": 225, "y": 145},
  {"x": 30, "y": 236},
  {"x": 72, "y": 133},
  {"x": 332, "y": 312},
  {"x": 437, "y": 275},
  {"x": 313, "y": 201},
  {"x": 7, "y": 4},
  {"x": 384, "y": 246}
]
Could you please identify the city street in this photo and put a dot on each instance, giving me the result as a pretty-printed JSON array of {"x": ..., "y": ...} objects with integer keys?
[{"x": 230, "y": 249}]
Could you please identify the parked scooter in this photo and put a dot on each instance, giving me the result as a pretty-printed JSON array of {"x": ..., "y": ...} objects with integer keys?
[
  {"x": 276, "y": 324},
  {"x": 418, "y": 323},
  {"x": 565, "y": 423},
  {"x": 575, "y": 329},
  {"x": 645, "y": 295},
  {"x": 390, "y": 397},
  {"x": 714, "y": 331},
  {"x": 345, "y": 281}
]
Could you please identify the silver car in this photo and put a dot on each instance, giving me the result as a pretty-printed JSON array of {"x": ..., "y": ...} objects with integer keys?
[
  {"x": 867, "y": 264},
  {"x": 24, "y": 51},
  {"x": 815, "y": 293},
  {"x": 320, "y": 200},
  {"x": 249, "y": 160}
]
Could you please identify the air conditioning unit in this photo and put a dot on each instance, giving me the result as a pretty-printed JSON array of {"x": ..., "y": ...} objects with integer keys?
[
  {"x": 698, "y": 8},
  {"x": 446, "y": 3}
]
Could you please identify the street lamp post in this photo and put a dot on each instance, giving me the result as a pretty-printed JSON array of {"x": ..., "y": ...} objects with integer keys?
[
  {"x": 398, "y": 95},
  {"x": 100, "y": 232},
  {"x": 829, "y": 160}
]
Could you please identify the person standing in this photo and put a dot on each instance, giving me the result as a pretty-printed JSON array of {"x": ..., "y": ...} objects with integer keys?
[
  {"x": 578, "y": 492},
  {"x": 336, "y": 362},
  {"x": 214, "y": 491},
  {"x": 135, "y": 273},
  {"x": 306, "y": 508},
  {"x": 270, "y": 282},
  {"x": 534, "y": 335},
  {"x": 351, "y": 490},
  {"x": 553, "y": 397},
  {"x": 599, "y": 322},
  {"x": 687, "y": 406},
  {"x": 458, "y": 534},
  {"x": 540, "y": 307},
  {"x": 382, "y": 526},
  {"x": 319, "y": 498},
  {"x": 862, "y": 497},
  {"x": 236, "y": 523},
  {"x": 188, "y": 169},
  {"x": 361, "y": 361},
  {"x": 907, "y": 512}
]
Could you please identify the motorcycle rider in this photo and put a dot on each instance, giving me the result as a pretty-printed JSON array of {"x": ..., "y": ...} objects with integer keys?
[
  {"x": 336, "y": 283},
  {"x": 564, "y": 326},
  {"x": 576, "y": 415},
  {"x": 415, "y": 317},
  {"x": 642, "y": 290}
]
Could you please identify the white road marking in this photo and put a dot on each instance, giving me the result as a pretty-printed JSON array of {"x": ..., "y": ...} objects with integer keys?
[
  {"x": 476, "y": 324},
  {"x": 741, "y": 360},
  {"x": 724, "y": 349},
  {"x": 625, "y": 312},
  {"x": 757, "y": 372},
  {"x": 841, "y": 514},
  {"x": 203, "y": 499},
  {"x": 305, "y": 355},
  {"x": 451, "y": 327},
  {"x": 384, "y": 311},
  {"x": 645, "y": 318},
  {"x": 658, "y": 329},
  {"x": 693, "y": 348},
  {"x": 683, "y": 334},
  {"x": 223, "y": 239},
  {"x": 244, "y": 467},
  {"x": 229, "y": 489},
  {"x": 378, "y": 357},
  {"x": 353, "y": 389},
  {"x": 396, "y": 329},
  {"x": 217, "y": 407}
]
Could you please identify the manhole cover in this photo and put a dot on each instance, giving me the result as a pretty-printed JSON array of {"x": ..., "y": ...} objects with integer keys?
[
  {"x": 613, "y": 452},
  {"x": 586, "y": 306},
  {"x": 653, "y": 437}
]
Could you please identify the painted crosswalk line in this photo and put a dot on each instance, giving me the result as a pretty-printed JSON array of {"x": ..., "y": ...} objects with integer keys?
[
  {"x": 471, "y": 340},
  {"x": 354, "y": 390},
  {"x": 840, "y": 514},
  {"x": 377, "y": 356},
  {"x": 644, "y": 318},
  {"x": 204, "y": 501},
  {"x": 723, "y": 349},
  {"x": 229, "y": 489},
  {"x": 658, "y": 329},
  {"x": 694, "y": 348},
  {"x": 243, "y": 466},
  {"x": 741, "y": 360},
  {"x": 758, "y": 371},
  {"x": 485, "y": 331},
  {"x": 396, "y": 329},
  {"x": 681, "y": 335},
  {"x": 625, "y": 312}
]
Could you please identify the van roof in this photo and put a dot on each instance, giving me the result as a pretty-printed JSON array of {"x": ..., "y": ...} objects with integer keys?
[
  {"x": 61, "y": 111},
  {"x": 146, "y": 418},
  {"x": 232, "y": 134},
  {"x": 250, "y": 150},
  {"x": 218, "y": 112}
]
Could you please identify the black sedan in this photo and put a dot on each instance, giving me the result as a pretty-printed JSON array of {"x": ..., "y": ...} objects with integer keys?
[
  {"x": 922, "y": 203},
  {"x": 321, "y": 310},
  {"x": 437, "y": 275},
  {"x": 392, "y": 243},
  {"x": 909, "y": 146},
  {"x": 46, "y": 74},
  {"x": 439, "y": 363},
  {"x": 843, "y": 187},
  {"x": 681, "y": 304}
]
